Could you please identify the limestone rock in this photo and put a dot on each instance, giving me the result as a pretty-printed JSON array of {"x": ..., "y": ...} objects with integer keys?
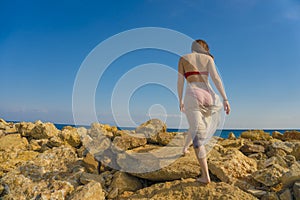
[
  {"x": 258, "y": 156},
  {"x": 269, "y": 176},
  {"x": 285, "y": 146},
  {"x": 24, "y": 128},
  {"x": 90, "y": 191},
  {"x": 39, "y": 145},
  {"x": 257, "y": 193},
  {"x": 90, "y": 163},
  {"x": 3, "y": 124},
  {"x": 98, "y": 129},
  {"x": 286, "y": 195},
  {"x": 129, "y": 141},
  {"x": 256, "y": 135},
  {"x": 296, "y": 190},
  {"x": 1, "y": 133},
  {"x": 85, "y": 178},
  {"x": 13, "y": 142},
  {"x": 151, "y": 129},
  {"x": 291, "y": 135},
  {"x": 237, "y": 143},
  {"x": 231, "y": 136},
  {"x": 22, "y": 187},
  {"x": 296, "y": 151},
  {"x": 70, "y": 135},
  {"x": 183, "y": 167},
  {"x": 10, "y": 130},
  {"x": 124, "y": 182},
  {"x": 164, "y": 138},
  {"x": 43, "y": 130},
  {"x": 55, "y": 141},
  {"x": 275, "y": 160},
  {"x": 56, "y": 159},
  {"x": 270, "y": 196},
  {"x": 277, "y": 135},
  {"x": 189, "y": 189},
  {"x": 11, "y": 160},
  {"x": 230, "y": 164},
  {"x": 291, "y": 176},
  {"x": 252, "y": 148},
  {"x": 57, "y": 190}
]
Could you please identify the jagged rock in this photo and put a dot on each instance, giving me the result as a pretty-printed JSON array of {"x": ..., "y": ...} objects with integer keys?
[
  {"x": 189, "y": 189},
  {"x": 286, "y": 195},
  {"x": 277, "y": 135},
  {"x": 151, "y": 129},
  {"x": 129, "y": 141},
  {"x": 251, "y": 148},
  {"x": 22, "y": 187},
  {"x": 90, "y": 163},
  {"x": 39, "y": 145},
  {"x": 90, "y": 191},
  {"x": 85, "y": 178},
  {"x": 292, "y": 175},
  {"x": 13, "y": 142},
  {"x": 10, "y": 130},
  {"x": 98, "y": 129},
  {"x": 258, "y": 156},
  {"x": 270, "y": 196},
  {"x": 57, "y": 190},
  {"x": 164, "y": 138},
  {"x": 56, "y": 159},
  {"x": 237, "y": 143},
  {"x": 230, "y": 164},
  {"x": 55, "y": 141},
  {"x": 1, "y": 133},
  {"x": 256, "y": 135},
  {"x": 123, "y": 182},
  {"x": 275, "y": 160},
  {"x": 107, "y": 176},
  {"x": 25, "y": 128},
  {"x": 296, "y": 190},
  {"x": 184, "y": 167},
  {"x": 44, "y": 176},
  {"x": 269, "y": 176},
  {"x": 257, "y": 193},
  {"x": 70, "y": 135},
  {"x": 231, "y": 136},
  {"x": 11, "y": 160},
  {"x": 285, "y": 146},
  {"x": 291, "y": 135},
  {"x": 3, "y": 124},
  {"x": 43, "y": 130},
  {"x": 289, "y": 159},
  {"x": 296, "y": 151}
]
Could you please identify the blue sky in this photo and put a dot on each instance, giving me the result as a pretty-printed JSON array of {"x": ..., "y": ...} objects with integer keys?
[{"x": 255, "y": 43}]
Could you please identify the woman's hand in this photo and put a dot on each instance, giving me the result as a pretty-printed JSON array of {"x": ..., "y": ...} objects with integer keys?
[
  {"x": 226, "y": 107},
  {"x": 181, "y": 106}
]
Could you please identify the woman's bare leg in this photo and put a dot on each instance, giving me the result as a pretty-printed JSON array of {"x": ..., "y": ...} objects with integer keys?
[
  {"x": 201, "y": 156},
  {"x": 187, "y": 144}
]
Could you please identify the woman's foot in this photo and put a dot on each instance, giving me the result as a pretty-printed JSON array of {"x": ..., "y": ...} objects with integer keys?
[
  {"x": 185, "y": 151},
  {"x": 203, "y": 180}
]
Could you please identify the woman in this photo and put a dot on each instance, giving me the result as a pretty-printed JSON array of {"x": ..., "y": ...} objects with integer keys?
[{"x": 201, "y": 105}]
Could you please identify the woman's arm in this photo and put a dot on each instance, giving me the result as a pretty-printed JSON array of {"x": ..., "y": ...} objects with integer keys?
[
  {"x": 218, "y": 83},
  {"x": 180, "y": 83},
  {"x": 216, "y": 78}
]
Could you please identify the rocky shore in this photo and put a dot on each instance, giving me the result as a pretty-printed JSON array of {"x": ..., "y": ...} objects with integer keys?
[{"x": 38, "y": 161}]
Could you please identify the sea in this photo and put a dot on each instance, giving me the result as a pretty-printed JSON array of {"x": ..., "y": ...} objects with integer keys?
[{"x": 220, "y": 133}]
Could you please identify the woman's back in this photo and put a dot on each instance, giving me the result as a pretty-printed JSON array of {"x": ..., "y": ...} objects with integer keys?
[{"x": 196, "y": 66}]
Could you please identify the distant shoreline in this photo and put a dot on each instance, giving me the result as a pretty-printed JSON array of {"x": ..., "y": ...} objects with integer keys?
[{"x": 220, "y": 133}]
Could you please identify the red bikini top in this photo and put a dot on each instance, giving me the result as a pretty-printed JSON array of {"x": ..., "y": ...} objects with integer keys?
[{"x": 187, "y": 74}]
